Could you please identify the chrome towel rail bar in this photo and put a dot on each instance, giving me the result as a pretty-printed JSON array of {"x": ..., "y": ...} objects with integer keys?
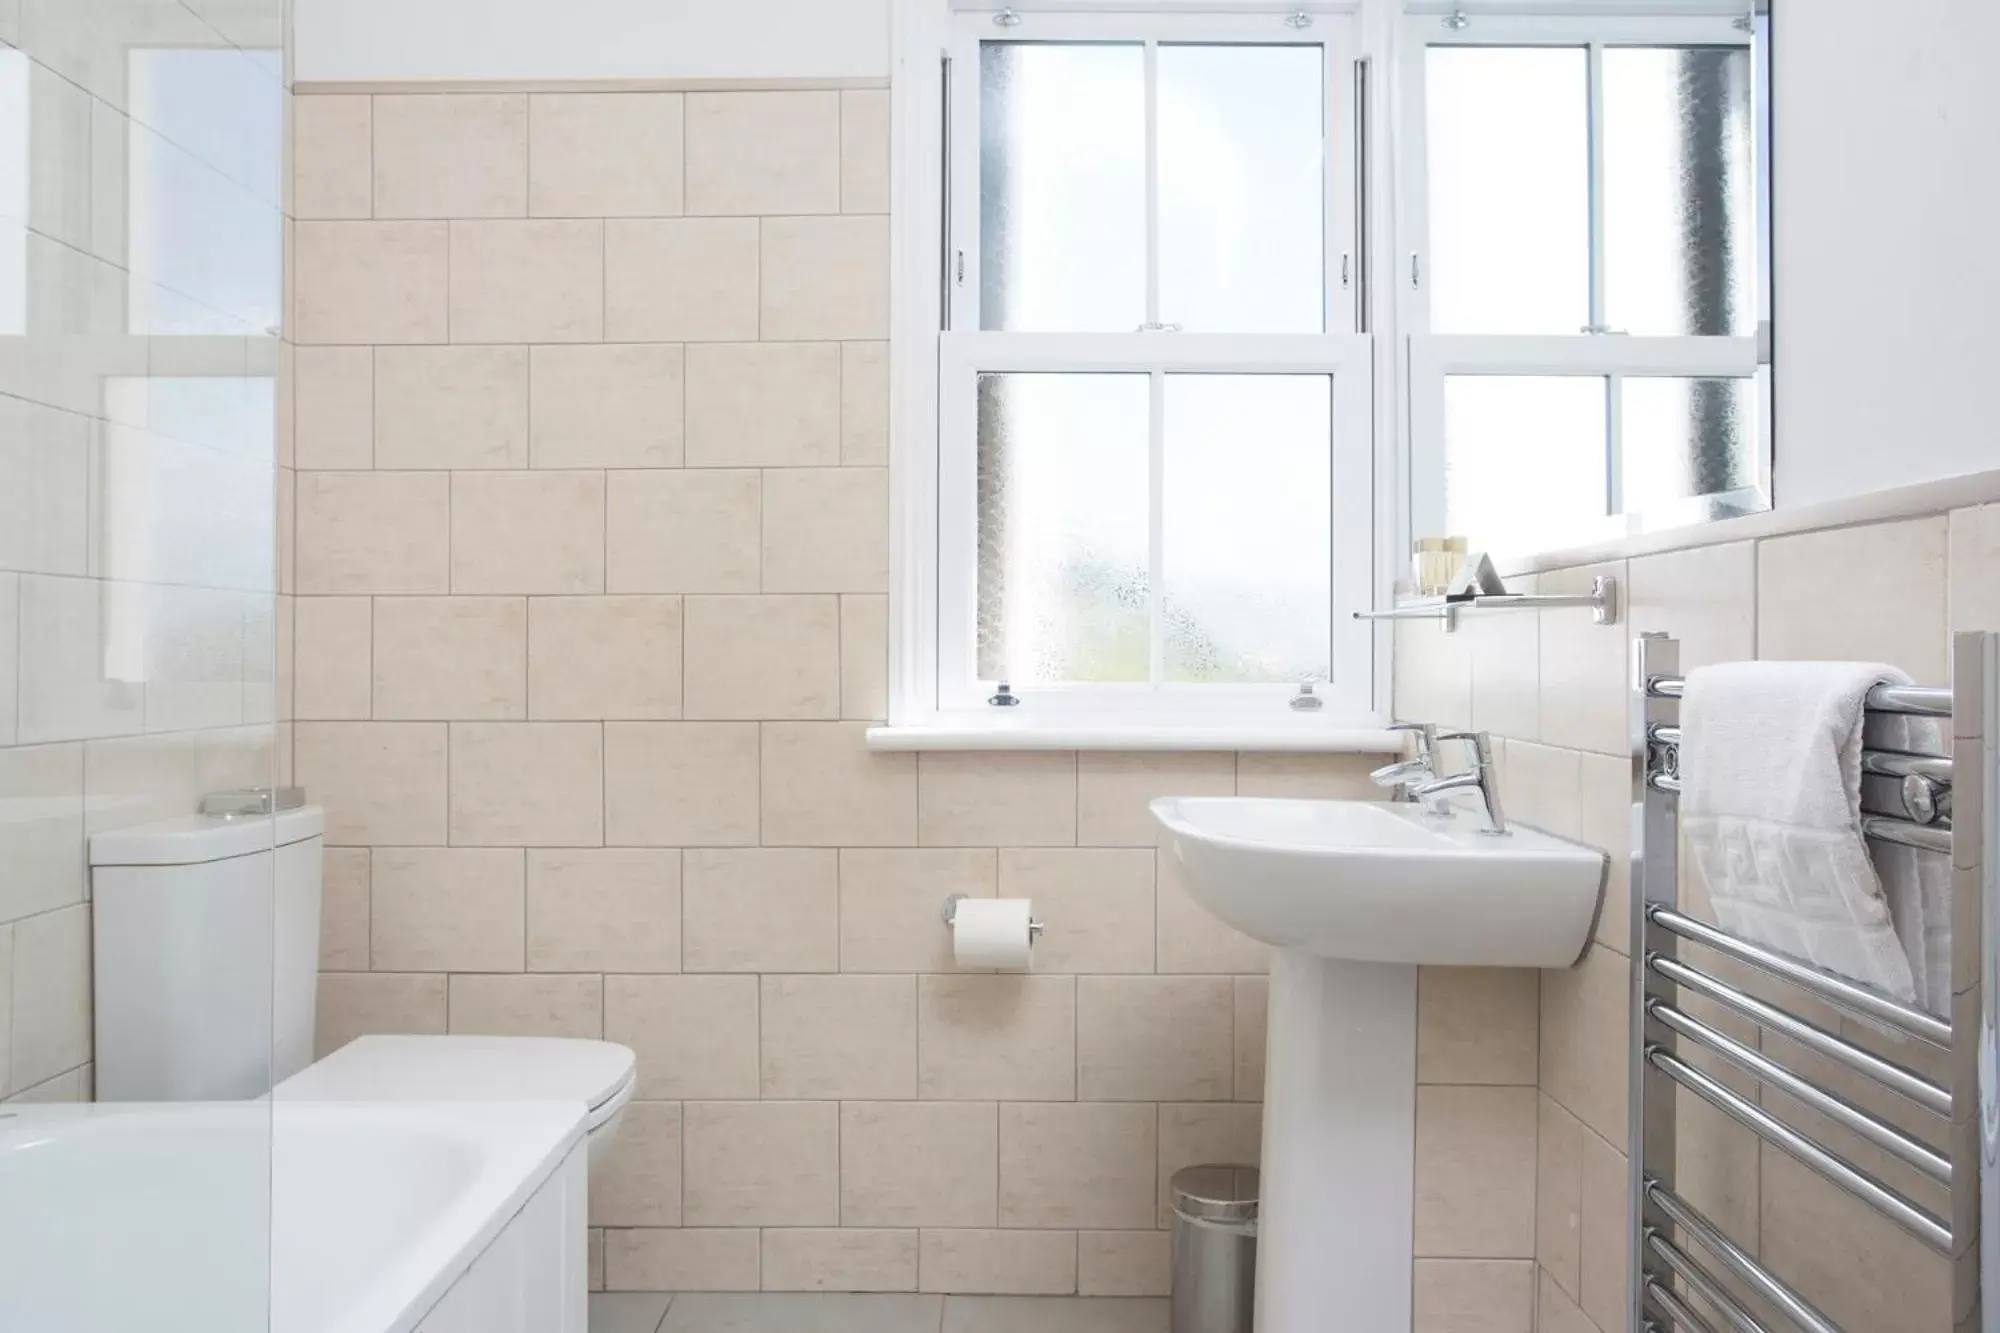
[
  {"x": 1704, "y": 1286},
  {"x": 1691, "y": 1223},
  {"x": 1917, "y": 700}
]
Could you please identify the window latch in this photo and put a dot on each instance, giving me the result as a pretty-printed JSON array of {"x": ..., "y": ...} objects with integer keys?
[
  {"x": 1006, "y": 698},
  {"x": 1305, "y": 701},
  {"x": 1007, "y": 18},
  {"x": 1158, "y": 328},
  {"x": 1604, "y": 331}
]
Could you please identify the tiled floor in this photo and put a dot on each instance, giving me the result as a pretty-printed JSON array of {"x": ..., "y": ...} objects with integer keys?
[{"x": 696, "y": 1312}]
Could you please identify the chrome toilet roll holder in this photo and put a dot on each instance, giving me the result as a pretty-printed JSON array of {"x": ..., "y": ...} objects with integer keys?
[{"x": 949, "y": 911}]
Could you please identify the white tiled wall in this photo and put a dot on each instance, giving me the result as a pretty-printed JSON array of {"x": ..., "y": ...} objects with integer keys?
[{"x": 139, "y": 614}]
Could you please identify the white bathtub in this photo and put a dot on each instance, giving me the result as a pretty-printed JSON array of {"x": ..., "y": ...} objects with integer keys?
[{"x": 242, "y": 1217}]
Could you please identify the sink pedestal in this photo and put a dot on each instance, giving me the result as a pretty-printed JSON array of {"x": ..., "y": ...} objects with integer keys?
[{"x": 1335, "y": 1235}]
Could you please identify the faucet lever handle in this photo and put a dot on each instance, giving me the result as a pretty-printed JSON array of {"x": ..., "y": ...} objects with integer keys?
[
  {"x": 1479, "y": 742},
  {"x": 1426, "y": 734}
]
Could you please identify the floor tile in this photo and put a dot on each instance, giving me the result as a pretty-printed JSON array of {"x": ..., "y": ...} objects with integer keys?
[
  {"x": 1054, "y": 1314},
  {"x": 627, "y": 1311},
  {"x": 696, "y": 1312}
]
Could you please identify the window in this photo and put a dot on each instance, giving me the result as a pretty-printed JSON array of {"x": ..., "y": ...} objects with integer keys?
[
  {"x": 1154, "y": 470},
  {"x": 1582, "y": 204}
]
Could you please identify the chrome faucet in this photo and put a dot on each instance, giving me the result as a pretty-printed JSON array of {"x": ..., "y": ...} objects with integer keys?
[
  {"x": 1481, "y": 777},
  {"x": 1423, "y": 768}
]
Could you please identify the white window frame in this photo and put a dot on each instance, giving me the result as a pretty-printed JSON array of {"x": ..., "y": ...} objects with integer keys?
[
  {"x": 934, "y": 696},
  {"x": 1430, "y": 357}
]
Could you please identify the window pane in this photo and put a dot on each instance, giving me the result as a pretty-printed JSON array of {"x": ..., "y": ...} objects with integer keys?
[
  {"x": 1509, "y": 150},
  {"x": 1063, "y": 522},
  {"x": 1242, "y": 203},
  {"x": 1525, "y": 463},
  {"x": 1685, "y": 439},
  {"x": 1680, "y": 228},
  {"x": 1062, "y": 187},
  {"x": 1247, "y": 543}
]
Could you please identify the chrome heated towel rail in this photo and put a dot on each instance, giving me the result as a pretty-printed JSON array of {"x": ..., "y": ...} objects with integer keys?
[{"x": 1686, "y": 1273}]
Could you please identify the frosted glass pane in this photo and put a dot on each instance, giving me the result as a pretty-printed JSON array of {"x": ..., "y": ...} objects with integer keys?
[
  {"x": 1509, "y": 172},
  {"x": 1246, "y": 538},
  {"x": 1526, "y": 460},
  {"x": 1686, "y": 438},
  {"x": 1680, "y": 234},
  {"x": 1062, "y": 187},
  {"x": 1242, "y": 188},
  {"x": 1063, "y": 528}
]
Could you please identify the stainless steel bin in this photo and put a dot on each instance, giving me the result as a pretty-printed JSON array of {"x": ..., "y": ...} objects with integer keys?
[{"x": 1215, "y": 1248}]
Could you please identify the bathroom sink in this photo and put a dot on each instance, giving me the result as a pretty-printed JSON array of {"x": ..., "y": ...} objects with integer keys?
[
  {"x": 1355, "y": 896},
  {"x": 1374, "y": 882}
]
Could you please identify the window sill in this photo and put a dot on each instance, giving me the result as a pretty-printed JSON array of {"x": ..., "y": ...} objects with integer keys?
[{"x": 1330, "y": 735}]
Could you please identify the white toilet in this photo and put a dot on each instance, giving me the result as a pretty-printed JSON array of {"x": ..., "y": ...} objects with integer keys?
[{"x": 207, "y": 972}]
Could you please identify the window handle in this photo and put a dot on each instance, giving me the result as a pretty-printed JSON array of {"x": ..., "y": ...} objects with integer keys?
[{"x": 1158, "y": 328}]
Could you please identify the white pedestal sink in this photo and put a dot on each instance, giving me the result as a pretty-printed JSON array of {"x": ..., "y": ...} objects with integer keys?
[{"x": 1355, "y": 895}]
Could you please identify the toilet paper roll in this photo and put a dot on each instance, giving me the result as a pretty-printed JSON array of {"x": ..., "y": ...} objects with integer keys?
[{"x": 991, "y": 932}]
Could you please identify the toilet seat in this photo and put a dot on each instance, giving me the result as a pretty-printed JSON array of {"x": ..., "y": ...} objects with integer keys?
[{"x": 600, "y": 1074}]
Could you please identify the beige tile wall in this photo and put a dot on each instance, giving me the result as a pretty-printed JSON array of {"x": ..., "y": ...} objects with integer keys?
[
  {"x": 1554, "y": 686},
  {"x": 591, "y": 555}
]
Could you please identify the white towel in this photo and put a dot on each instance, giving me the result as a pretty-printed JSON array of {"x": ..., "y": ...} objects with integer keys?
[{"x": 1771, "y": 808}]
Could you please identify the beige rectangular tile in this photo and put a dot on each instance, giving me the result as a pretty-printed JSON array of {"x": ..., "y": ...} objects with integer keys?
[
  {"x": 864, "y": 151},
  {"x": 451, "y": 407},
  {"x": 71, "y": 684},
  {"x": 527, "y": 282},
  {"x": 612, "y": 909},
  {"x": 826, "y": 530},
  {"x": 864, "y": 657},
  {"x": 823, "y": 787},
  {"x": 333, "y": 406},
  {"x": 603, "y": 155},
  {"x": 1155, "y": 1038},
  {"x": 382, "y": 783},
  {"x": 889, "y": 901},
  {"x": 1860, "y": 1269},
  {"x": 1252, "y": 1009},
  {"x": 604, "y": 657},
  {"x": 1507, "y": 669},
  {"x": 996, "y": 1037},
  {"x": 373, "y": 532},
  {"x": 763, "y": 404},
  {"x": 1583, "y": 690},
  {"x": 528, "y": 1005},
  {"x": 695, "y": 1037},
  {"x": 681, "y": 280},
  {"x": 594, "y": 1257},
  {"x": 839, "y": 1037},
  {"x": 344, "y": 907},
  {"x": 681, "y": 784},
  {"x": 527, "y": 532},
  {"x": 371, "y": 282},
  {"x": 1477, "y": 1025},
  {"x": 1555, "y": 1312},
  {"x": 445, "y": 658},
  {"x": 451, "y": 155},
  {"x": 1123, "y": 1263},
  {"x": 846, "y": 1258},
  {"x": 1097, "y": 903},
  {"x": 439, "y": 909},
  {"x": 1189, "y": 939},
  {"x": 918, "y": 1164},
  {"x": 1114, "y": 788},
  {"x": 1973, "y": 549},
  {"x": 762, "y": 1164},
  {"x": 1077, "y": 1164},
  {"x": 692, "y": 531},
  {"x": 610, "y": 405},
  {"x": 992, "y": 798},
  {"x": 1559, "y": 1140},
  {"x": 864, "y": 404},
  {"x": 1433, "y": 674},
  {"x": 333, "y": 174},
  {"x": 825, "y": 278},
  {"x": 10, "y": 657},
  {"x": 638, "y": 1184},
  {"x": 1027, "y": 1263},
  {"x": 1706, "y": 597},
  {"x": 51, "y": 998},
  {"x": 1892, "y": 600},
  {"x": 333, "y": 641},
  {"x": 771, "y": 657},
  {"x": 763, "y": 152},
  {"x": 1230, "y": 1133},
  {"x": 681, "y": 1259},
  {"x": 1475, "y": 1184},
  {"x": 1542, "y": 786},
  {"x": 1605, "y": 1221},
  {"x": 526, "y": 784},
  {"x": 1583, "y": 1040},
  {"x": 359, "y": 1004},
  {"x": 761, "y": 910},
  {"x": 1474, "y": 1296}
]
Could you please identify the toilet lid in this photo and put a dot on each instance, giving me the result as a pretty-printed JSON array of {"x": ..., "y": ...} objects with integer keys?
[{"x": 599, "y": 1074}]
